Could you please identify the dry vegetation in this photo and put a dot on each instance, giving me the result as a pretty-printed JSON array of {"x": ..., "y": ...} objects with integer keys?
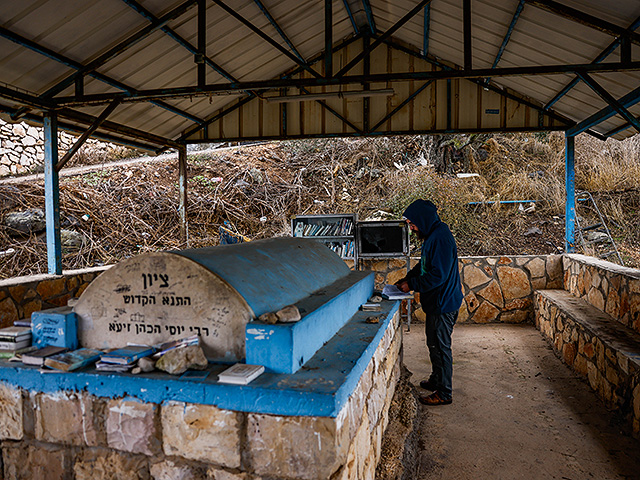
[{"x": 255, "y": 190}]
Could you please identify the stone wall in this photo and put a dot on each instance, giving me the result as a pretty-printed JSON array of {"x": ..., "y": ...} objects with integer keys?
[
  {"x": 67, "y": 434},
  {"x": 496, "y": 289},
  {"x": 605, "y": 285},
  {"x": 21, "y": 296}
]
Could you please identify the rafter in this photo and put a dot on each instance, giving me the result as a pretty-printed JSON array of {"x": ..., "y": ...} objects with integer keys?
[{"x": 369, "y": 13}]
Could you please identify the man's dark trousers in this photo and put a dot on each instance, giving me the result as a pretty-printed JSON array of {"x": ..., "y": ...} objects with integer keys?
[{"x": 438, "y": 328}]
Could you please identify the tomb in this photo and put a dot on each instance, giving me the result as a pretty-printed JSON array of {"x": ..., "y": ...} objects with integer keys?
[{"x": 328, "y": 385}]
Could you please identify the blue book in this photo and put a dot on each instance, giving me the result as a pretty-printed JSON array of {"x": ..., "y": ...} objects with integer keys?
[
  {"x": 127, "y": 355},
  {"x": 69, "y": 361}
]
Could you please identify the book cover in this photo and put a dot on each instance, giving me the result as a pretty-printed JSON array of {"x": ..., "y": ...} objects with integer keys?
[
  {"x": 69, "y": 361},
  {"x": 13, "y": 345},
  {"x": 14, "y": 333},
  {"x": 391, "y": 292},
  {"x": 240, "y": 374},
  {"x": 127, "y": 355},
  {"x": 38, "y": 356}
]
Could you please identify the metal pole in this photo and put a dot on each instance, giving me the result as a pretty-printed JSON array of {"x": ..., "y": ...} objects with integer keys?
[
  {"x": 182, "y": 185},
  {"x": 570, "y": 189},
  {"x": 52, "y": 193}
]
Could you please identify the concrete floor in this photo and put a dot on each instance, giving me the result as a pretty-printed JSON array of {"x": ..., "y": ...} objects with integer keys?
[{"x": 517, "y": 412}]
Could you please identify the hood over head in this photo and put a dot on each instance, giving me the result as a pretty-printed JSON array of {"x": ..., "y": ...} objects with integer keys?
[{"x": 423, "y": 214}]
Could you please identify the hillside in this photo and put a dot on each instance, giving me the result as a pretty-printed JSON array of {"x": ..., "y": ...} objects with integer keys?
[{"x": 117, "y": 212}]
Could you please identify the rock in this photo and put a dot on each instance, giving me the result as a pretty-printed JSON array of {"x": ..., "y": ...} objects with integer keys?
[
  {"x": 269, "y": 317},
  {"x": 532, "y": 231},
  {"x": 473, "y": 276},
  {"x": 179, "y": 360},
  {"x": 147, "y": 364},
  {"x": 26, "y": 222},
  {"x": 514, "y": 282},
  {"x": 375, "y": 299},
  {"x": 288, "y": 314},
  {"x": 373, "y": 319},
  {"x": 71, "y": 240}
]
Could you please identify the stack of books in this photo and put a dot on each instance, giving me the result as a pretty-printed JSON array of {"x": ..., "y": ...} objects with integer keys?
[
  {"x": 123, "y": 359},
  {"x": 38, "y": 356},
  {"x": 13, "y": 339}
]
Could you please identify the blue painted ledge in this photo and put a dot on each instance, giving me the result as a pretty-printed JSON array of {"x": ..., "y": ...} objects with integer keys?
[
  {"x": 286, "y": 347},
  {"x": 320, "y": 388}
]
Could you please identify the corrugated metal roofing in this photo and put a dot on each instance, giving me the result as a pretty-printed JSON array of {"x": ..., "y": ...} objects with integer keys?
[{"x": 79, "y": 32}]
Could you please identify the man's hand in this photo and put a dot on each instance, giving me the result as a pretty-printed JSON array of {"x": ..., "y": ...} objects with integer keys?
[{"x": 403, "y": 285}]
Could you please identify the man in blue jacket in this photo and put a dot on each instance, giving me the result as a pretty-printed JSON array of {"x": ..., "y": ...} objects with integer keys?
[{"x": 437, "y": 279}]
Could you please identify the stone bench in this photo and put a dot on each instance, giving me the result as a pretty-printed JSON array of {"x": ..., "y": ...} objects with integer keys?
[{"x": 596, "y": 345}]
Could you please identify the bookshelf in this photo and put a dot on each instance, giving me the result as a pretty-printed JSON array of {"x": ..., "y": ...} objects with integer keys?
[{"x": 336, "y": 231}]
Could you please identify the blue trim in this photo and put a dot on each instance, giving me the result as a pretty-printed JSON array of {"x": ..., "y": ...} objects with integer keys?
[
  {"x": 321, "y": 388},
  {"x": 350, "y": 13},
  {"x": 507, "y": 37},
  {"x": 570, "y": 189},
  {"x": 52, "y": 193},
  {"x": 604, "y": 54},
  {"x": 627, "y": 101},
  {"x": 426, "y": 29},
  {"x": 367, "y": 9}
]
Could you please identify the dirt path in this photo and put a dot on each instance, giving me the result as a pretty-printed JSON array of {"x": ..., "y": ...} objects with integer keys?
[{"x": 518, "y": 412}]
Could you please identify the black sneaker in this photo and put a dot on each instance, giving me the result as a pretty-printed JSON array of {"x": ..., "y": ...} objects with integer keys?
[{"x": 428, "y": 385}]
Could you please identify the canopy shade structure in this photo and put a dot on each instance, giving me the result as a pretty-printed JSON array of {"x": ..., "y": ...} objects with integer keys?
[{"x": 158, "y": 74}]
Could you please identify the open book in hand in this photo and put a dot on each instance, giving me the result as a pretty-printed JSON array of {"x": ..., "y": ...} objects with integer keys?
[{"x": 391, "y": 292}]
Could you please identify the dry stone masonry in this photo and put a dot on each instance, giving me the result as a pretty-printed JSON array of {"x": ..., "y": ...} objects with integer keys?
[{"x": 70, "y": 434}]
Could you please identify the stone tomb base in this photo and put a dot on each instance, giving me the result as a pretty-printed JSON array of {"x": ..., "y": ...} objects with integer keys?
[{"x": 324, "y": 421}]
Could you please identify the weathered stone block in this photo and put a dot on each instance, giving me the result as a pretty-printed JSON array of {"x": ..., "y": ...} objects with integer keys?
[
  {"x": 201, "y": 432},
  {"x": 131, "y": 427},
  {"x": 67, "y": 418},
  {"x": 103, "y": 464},
  {"x": 580, "y": 365},
  {"x": 36, "y": 462},
  {"x": 536, "y": 267},
  {"x": 569, "y": 353},
  {"x": 218, "y": 474},
  {"x": 51, "y": 288},
  {"x": 514, "y": 282},
  {"x": 589, "y": 350},
  {"x": 170, "y": 470},
  {"x": 8, "y": 311},
  {"x": 493, "y": 294},
  {"x": 11, "y": 408},
  {"x": 474, "y": 277},
  {"x": 298, "y": 447},
  {"x": 394, "y": 276},
  {"x": 485, "y": 313},
  {"x": 517, "y": 316}
]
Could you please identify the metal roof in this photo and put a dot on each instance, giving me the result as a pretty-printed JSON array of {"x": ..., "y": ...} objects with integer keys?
[{"x": 196, "y": 70}]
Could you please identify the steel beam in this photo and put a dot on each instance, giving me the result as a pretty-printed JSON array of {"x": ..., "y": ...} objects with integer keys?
[
  {"x": 401, "y": 105},
  {"x": 121, "y": 47},
  {"x": 154, "y": 94},
  {"x": 275, "y": 25},
  {"x": 31, "y": 45},
  {"x": 570, "y": 195},
  {"x": 507, "y": 36},
  {"x": 607, "y": 97},
  {"x": 328, "y": 38},
  {"x": 412, "y": 13},
  {"x": 202, "y": 43},
  {"x": 182, "y": 186},
  {"x": 466, "y": 34},
  {"x": 265, "y": 37},
  {"x": 627, "y": 101},
  {"x": 426, "y": 27},
  {"x": 83, "y": 138},
  {"x": 584, "y": 19},
  {"x": 604, "y": 54},
  {"x": 52, "y": 194},
  {"x": 369, "y": 13},
  {"x": 350, "y": 15}
]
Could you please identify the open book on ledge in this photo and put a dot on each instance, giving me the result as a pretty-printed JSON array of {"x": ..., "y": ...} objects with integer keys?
[{"x": 391, "y": 292}]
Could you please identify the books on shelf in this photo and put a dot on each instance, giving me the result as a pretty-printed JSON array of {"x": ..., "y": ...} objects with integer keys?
[
  {"x": 15, "y": 345},
  {"x": 371, "y": 307},
  {"x": 38, "y": 356},
  {"x": 14, "y": 334},
  {"x": 240, "y": 374},
  {"x": 338, "y": 227},
  {"x": 172, "y": 344},
  {"x": 15, "y": 354},
  {"x": 127, "y": 355},
  {"x": 69, "y": 361},
  {"x": 113, "y": 367}
]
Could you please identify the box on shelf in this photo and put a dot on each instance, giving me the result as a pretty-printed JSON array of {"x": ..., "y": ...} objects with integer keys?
[{"x": 56, "y": 327}]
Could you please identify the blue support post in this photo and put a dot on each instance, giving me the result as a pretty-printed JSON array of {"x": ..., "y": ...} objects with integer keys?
[
  {"x": 570, "y": 189},
  {"x": 52, "y": 193}
]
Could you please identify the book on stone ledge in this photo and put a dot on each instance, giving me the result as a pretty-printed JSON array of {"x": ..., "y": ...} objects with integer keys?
[
  {"x": 127, "y": 355},
  {"x": 240, "y": 374},
  {"x": 69, "y": 361}
]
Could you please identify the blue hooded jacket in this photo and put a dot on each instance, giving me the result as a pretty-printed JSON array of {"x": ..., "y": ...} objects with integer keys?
[{"x": 436, "y": 277}]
